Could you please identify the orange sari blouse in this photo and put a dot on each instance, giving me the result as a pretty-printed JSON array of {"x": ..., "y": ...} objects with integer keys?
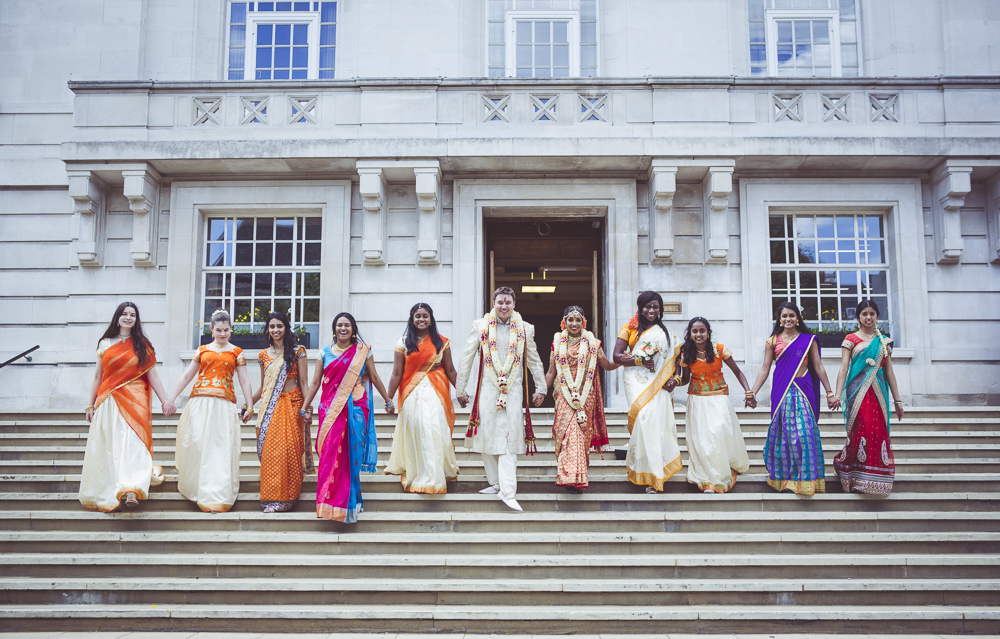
[
  {"x": 707, "y": 379},
  {"x": 215, "y": 372}
]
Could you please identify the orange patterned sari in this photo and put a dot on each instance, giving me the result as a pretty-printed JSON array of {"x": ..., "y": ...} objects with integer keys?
[
  {"x": 421, "y": 364},
  {"x": 124, "y": 379}
]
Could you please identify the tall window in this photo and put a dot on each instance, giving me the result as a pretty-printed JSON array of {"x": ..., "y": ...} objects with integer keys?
[
  {"x": 826, "y": 264},
  {"x": 541, "y": 38},
  {"x": 254, "y": 265},
  {"x": 804, "y": 38},
  {"x": 282, "y": 40}
]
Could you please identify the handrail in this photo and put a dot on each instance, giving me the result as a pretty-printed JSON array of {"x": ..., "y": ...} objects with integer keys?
[{"x": 24, "y": 355}]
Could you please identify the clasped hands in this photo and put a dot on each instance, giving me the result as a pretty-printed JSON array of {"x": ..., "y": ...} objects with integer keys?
[{"x": 536, "y": 399}]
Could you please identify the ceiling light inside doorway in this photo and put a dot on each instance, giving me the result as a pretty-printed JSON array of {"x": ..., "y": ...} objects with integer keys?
[{"x": 543, "y": 285}]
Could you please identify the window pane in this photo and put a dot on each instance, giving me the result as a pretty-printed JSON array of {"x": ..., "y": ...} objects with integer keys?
[
  {"x": 848, "y": 305},
  {"x": 238, "y": 36},
  {"x": 779, "y": 282},
  {"x": 310, "y": 311},
  {"x": 328, "y": 12},
  {"x": 588, "y": 10},
  {"x": 849, "y": 55},
  {"x": 846, "y": 9},
  {"x": 328, "y": 35},
  {"x": 776, "y": 224},
  {"x": 845, "y": 249},
  {"x": 285, "y": 228},
  {"x": 588, "y": 55},
  {"x": 543, "y": 72},
  {"x": 524, "y": 55},
  {"x": 282, "y": 284},
  {"x": 829, "y": 310},
  {"x": 313, "y": 253},
  {"x": 244, "y": 254},
  {"x": 524, "y": 72},
  {"x": 560, "y": 72},
  {"x": 542, "y": 30},
  {"x": 264, "y": 253},
  {"x": 523, "y": 32},
  {"x": 821, "y": 31},
  {"x": 314, "y": 228},
  {"x": 827, "y": 252},
  {"x": 588, "y": 32},
  {"x": 849, "y": 284},
  {"x": 784, "y": 31},
  {"x": 311, "y": 284},
  {"x": 262, "y": 285},
  {"x": 300, "y": 57},
  {"x": 284, "y": 305},
  {"x": 211, "y": 305},
  {"x": 542, "y": 55},
  {"x": 877, "y": 282},
  {"x": 824, "y": 226},
  {"x": 213, "y": 284},
  {"x": 561, "y": 55},
  {"x": 784, "y": 54},
  {"x": 821, "y": 55},
  {"x": 327, "y": 58},
  {"x": 264, "y": 33},
  {"x": 241, "y": 310},
  {"x": 282, "y": 34},
  {"x": 756, "y": 32},
  {"x": 300, "y": 32},
  {"x": 283, "y": 254},
  {"x": 217, "y": 229},
  {"x": 238, "y": 12},
  {"x": 806, "y": 251},
  {"x": 758, "y": 53},
  {"x": 802, "y": 31},
  {"x": 845, "y": 226},
  {"x": 282, "y": 57},
  {"x": 810, "y": 308},
  {"x": 778, "y": 252},
  {"x": 560, "y": 32},
  {"x": 284, "y": 6},
  {"x": 244, "y": 284},
  {"x": 756, "y": 9},
  {"x": 263, "y": 59},
  {"x": 807, "y": 282}
]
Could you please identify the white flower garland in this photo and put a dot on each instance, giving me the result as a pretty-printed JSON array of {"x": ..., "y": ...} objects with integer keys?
[
  {"x": 515, "y": 350},
  {"x": 571, "y": 389}
]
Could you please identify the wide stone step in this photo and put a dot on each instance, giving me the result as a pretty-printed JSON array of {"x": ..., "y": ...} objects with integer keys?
[
  {"x": 391, "y": 566},
  {"x": 501, "y": 591},
  {"x": 535, "y": 543},
  {"x": 621, "y": 502},
  {"x": 604, "y": 480},
  {"x": 479, "y": 522},
  {"x": 540, "y": 464},
  {"x": 494, "y": 619}
]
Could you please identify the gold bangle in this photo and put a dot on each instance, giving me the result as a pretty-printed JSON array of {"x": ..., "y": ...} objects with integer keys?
[
  {"x": 829, "y": 393},
  {"x": 89, "y": 408},
  {"x": 748, "y": 394},
  {"x": 638, "y": 361},
  {"x": 898, "y": 401}
]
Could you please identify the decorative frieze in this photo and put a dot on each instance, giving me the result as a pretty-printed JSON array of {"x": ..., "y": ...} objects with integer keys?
[
  {"x": 787, "y": 107},
  {"x": 951, "y": 182},
  {"x": 89, "y": 195},
  {"x": 543, "y": 107},
  {"x": 835, "y": 107},
  {"x": 496, "y": 107},
  {"x": 884, "y": 107},
  {"x": 302, "y": 110},
  {"x": 254, "y": 110},
  {"x": 593, "y": 108},
  {"x": 142, "y": 188},
  {"x": 207, "y": 111}
]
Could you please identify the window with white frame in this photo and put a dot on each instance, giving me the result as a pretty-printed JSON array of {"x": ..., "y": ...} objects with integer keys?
[
  {"x": 254, "y": 265},
  {"x": 541, "y": 38},
  {"x": 804, "y": 38},
  {"x": 827, "y": 263},
  {"x": 282, "y": 40}
]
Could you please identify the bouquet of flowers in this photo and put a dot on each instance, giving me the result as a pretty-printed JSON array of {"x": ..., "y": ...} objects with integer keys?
[{"x": 646, "y": 350}]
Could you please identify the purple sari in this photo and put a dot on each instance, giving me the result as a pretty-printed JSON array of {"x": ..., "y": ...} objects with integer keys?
[{"x": 793, "y": 452}]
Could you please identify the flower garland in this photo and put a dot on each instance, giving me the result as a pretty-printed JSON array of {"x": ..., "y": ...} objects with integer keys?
[
  {"x": 571, "y": 388},
  {"x": 515, "y": 350}
]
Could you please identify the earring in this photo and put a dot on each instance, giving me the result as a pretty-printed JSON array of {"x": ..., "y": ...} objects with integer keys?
[
  {"x": 585, "y": 324},
  {"x": 562, "y": 324}
]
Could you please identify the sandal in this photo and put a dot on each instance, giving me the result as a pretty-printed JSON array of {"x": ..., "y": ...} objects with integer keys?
[
  {"x": 270, "y": 509},
  {"x": 131, "y": 499},
  {"x": 651, "y": 491}
]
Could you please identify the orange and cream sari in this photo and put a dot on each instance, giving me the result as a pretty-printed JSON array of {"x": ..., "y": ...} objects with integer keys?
[
  {"x": 423, "y": 452},
  {"x": 653, "y": 454},
  {"x": 119, "y": 457}
]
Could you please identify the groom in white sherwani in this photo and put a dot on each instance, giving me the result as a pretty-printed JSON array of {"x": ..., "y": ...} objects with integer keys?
[{"x": 505, "y": 343}]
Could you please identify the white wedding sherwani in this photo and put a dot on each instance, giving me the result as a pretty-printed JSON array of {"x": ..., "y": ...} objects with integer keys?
[{"x": 500, "y": 432}]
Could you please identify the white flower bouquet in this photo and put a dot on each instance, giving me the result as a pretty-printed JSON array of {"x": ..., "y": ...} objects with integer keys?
[{"x": 646, "y": 350}]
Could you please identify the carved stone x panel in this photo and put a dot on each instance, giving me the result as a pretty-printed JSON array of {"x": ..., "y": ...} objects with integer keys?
[
  {"x": 496, "y": 108},
  {"x": 206, "y": 111}
]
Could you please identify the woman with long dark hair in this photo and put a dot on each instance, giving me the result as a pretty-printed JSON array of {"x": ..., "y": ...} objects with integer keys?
[
  {"x": 346, "y": 439},
  {"x": 118, "y": 464},
  {"x": 716, "y": 451},
  {"x": 793, "y": 451},
  {"x": 648, "y": 352},
  {"x": 423, "y": 451},
  {"x": 283, "y": 439},
  {"x": 866, "y": 464},
  {"x": 579, "y": 423}
]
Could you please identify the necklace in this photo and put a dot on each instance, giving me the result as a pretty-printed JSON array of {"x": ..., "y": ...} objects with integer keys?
[
  {"x": 123, "y": 337},
  {"x": 577, "y": 389},
  {"x": 515, "y": 350}
]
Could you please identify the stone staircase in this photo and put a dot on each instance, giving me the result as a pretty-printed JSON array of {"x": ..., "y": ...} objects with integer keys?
[{"x": 613, "y": 560}]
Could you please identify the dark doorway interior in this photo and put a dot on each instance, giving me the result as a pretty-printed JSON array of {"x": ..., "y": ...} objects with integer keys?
[{"x": 564, "y": 253}]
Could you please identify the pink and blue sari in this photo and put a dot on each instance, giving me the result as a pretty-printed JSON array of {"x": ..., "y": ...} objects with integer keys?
[
  {"x": 793, "y": 452},
  {"x": 346, "y": 441}
]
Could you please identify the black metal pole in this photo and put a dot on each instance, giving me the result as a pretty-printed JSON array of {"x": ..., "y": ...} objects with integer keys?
[{"x": 24, "y": 355}]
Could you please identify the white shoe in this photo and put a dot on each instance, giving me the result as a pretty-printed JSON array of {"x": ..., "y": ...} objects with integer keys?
[
  {"x": 490, "y": 490},
  {"x": 511, "y": 503},
  {"x": 709, "y": 490}
]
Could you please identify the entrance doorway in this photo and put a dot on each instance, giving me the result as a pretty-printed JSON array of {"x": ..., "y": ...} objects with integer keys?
[{"x": 550, "y": 264}]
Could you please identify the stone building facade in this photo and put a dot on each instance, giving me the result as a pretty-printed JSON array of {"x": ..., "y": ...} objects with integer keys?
[{"x": 364, "y": 155}]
